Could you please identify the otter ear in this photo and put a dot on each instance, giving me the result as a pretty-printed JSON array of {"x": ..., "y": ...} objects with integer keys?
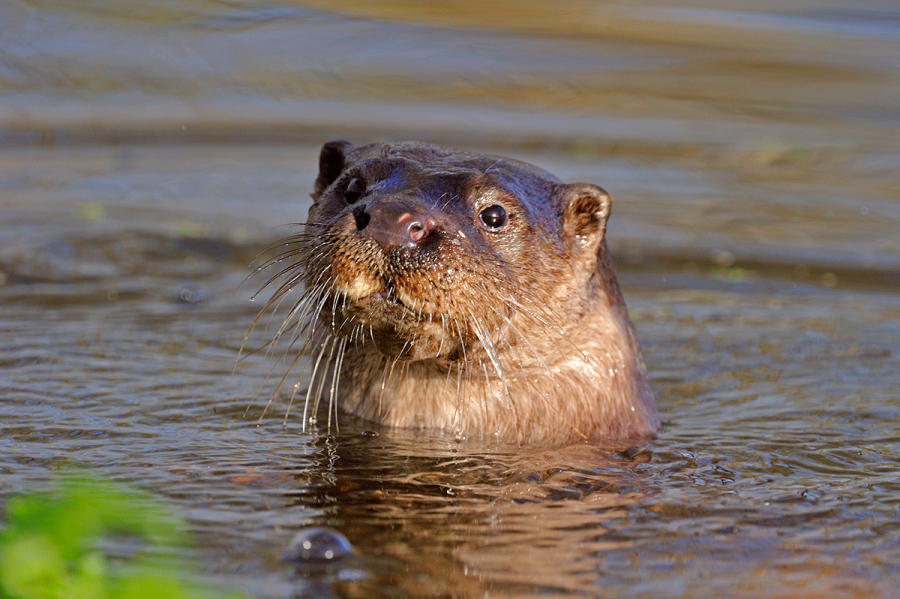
[
  {"x": 585, "y": 212},
  {"x": 332, "y": 160}
]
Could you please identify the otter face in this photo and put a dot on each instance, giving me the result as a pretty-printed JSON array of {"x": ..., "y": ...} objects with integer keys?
[{"x": 427, "y": 252}]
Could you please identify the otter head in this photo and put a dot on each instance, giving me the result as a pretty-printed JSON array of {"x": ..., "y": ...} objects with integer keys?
[
  {"x": 431, "y": 253},
  {"x": 485, "y": 279}
]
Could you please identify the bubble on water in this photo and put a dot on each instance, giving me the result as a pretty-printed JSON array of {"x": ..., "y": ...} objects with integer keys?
[
  {"x": 191, "y": 294},
  {"x": 316, "y": 546}
]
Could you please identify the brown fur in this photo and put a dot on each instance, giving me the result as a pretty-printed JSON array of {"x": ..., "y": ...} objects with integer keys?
[{"x": 520, "y": 332}]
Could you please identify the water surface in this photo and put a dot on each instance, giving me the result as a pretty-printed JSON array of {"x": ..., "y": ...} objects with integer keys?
[{"x": 148, "y": 155}]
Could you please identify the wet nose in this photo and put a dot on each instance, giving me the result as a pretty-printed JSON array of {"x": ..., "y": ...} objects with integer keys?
[{"x": 395, "y": 223}]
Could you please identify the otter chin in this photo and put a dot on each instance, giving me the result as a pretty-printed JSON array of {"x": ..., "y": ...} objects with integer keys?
[{"x": 471, "y": 294}]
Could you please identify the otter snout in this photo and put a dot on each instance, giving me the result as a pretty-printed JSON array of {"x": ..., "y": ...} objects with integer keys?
[{"x": 395, "y": 223}]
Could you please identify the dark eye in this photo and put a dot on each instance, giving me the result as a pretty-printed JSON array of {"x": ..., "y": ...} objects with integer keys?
[
  {"x": 356, "y": 188},
  {"x": 493, "y": 217}
]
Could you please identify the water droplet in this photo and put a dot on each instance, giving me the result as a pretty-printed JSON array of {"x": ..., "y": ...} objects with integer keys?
[{"x": 317, "y": 545}]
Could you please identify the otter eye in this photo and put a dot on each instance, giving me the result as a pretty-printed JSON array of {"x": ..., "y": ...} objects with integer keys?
[
  {"x": 355, "y": 190},
  {"x": 493, "y": 217}
]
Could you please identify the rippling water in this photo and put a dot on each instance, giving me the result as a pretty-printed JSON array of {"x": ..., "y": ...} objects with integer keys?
[{"x": 149, "y": 152}]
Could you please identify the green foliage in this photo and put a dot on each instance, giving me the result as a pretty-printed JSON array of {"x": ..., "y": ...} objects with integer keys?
[{"x": 50, "y": 548}]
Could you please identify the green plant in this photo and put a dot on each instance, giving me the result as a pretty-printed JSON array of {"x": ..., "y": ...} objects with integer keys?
[{"x": 51, "y": 547}]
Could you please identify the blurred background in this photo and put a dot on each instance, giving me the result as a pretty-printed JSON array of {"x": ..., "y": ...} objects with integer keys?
[
  {"x": 770, "y": 129},
  {"x": 150, "y": 150}
]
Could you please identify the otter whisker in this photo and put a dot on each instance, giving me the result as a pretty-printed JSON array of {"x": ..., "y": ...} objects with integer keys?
[
  {"x": 384, "y": 379},
  {"x": 281, "y": 381},
  {"x": 335, "y": 379},
  {"x": 278, "y": 387},
  {"x": 443, "y": 334},
  {"x": 390, "y": 374},
  {"x": 488, "y": 344},
  {"x": 312, "y": 379},
  {"x": 300, "y": 353}
]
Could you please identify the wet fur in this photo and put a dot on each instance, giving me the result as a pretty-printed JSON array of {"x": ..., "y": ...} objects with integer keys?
[{"x": 521, "y": 333}]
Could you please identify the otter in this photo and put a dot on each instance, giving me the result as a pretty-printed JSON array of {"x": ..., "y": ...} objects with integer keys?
[{"x": 451, "y": 290}]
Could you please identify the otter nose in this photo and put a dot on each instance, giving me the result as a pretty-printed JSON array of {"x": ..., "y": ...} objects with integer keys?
[{"x": 395, "y": 223}]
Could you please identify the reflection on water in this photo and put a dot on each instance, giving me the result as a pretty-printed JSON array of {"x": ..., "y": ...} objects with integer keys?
[{"x": 149, "y": 154}]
